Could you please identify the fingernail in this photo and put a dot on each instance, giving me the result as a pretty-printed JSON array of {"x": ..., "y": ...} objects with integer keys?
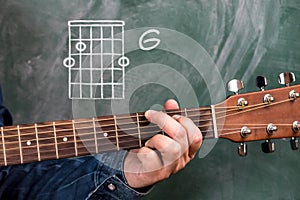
[
  {"x": 148, "y": 114},
  {"x": 176, "y": 117}
]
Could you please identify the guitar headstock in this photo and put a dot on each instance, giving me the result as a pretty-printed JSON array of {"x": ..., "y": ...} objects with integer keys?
[{"x": 262, "y": 115}]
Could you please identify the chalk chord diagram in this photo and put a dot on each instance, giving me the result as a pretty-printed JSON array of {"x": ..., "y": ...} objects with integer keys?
[{"x": 96, "y": 60}]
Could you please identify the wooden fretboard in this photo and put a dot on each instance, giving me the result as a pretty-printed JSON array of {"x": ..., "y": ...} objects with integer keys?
[{"x": 72, "y": 138}]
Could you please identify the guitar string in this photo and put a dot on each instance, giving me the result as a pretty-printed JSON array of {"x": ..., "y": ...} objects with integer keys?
[
  {"x": 92, "y": 139},
  {"x": 78, "y": 121},
  {"x": 85, "y": 147},
  {"x": 91, "y": 134},
  {"x": 121, "y": 136},
  {"x": 78, "y": 128},
  {"x": 68, "y": 146},
  {"x": 65, "y": 155},
  {"x": 131, "y": 116},
  {"x": 84, "y": 141},
  {"x": 113, "y": 131},
  {"x": 72, "y": 148},
  {"x": 244, "y": 111},
  {"x": 223, "y": 134}
]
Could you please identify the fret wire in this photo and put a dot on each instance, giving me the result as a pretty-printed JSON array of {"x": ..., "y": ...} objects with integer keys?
[
  {"x": 139, "y": 131},
  {"x": 20, "y": 146},
  {"x": 85, "y": 153},
  {"x": 233, "y": 130},
  {"x": 43, "y": 126},
  {"x": 39, "y": 126},
  {"x": 185, "y": 111},
  {"x": 62, "y": 130},
  {"x": 106, "y": 119},
  {"x": 84, "y": 146},
  {"x": 56, "y": 131},
  {"x": 224, "y": 134},
  {"x": 137, "y": 114},
  {"x": 66, "y": 123},
  {"x": 83, "y": 141},
  {"x": 37, "y": 142},
  {"x": 55, "y": 140},
  {"x": 40, "y": 133},
  {"x": 96, "y": 144},
  {"x": 116, "y": 130},
  {"x": 74, "y": 135},
  {"x": 42, "y": 139},
  {"x": 3, "y": 143},
  {"x": 145, "y": 133},
  {"x": 128, "y": 129},
  {"x": 194, "y": 109}
]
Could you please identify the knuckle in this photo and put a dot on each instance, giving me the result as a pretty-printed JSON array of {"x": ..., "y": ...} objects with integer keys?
[{"x": 198, "y": 137}]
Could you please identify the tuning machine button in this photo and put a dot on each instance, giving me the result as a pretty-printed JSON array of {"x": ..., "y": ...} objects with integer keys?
[
  {"x": 245, "y": 131},
  {"x": 296, "y": 126},
  {"x": 242, "y": 103},
  {"x": 235, "y": 86},
  {"x": 261, "y": 82},
  {"x": 294, "y": 143},
  {"x": 242, "y": 149},
  {"x": 294, "y": 95},
  {"x": 268, "y": 99},
  {"x": 271, "y": 129},
  {"x": 268, "y": 146},
  {"x": 286, "y": 78}
]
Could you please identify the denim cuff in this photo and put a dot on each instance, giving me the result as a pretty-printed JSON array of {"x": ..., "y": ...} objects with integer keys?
[{"x": 115, "y": 186}]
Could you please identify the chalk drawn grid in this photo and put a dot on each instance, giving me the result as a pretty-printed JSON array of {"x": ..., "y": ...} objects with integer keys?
[{"x": 96, "y": 59}]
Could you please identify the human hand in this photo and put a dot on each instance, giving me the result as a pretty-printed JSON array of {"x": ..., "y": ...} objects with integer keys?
[{"x": 163, "y": 155}]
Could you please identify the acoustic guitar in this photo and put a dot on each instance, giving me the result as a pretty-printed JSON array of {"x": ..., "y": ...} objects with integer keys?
[{"x": 241, "y": 118}]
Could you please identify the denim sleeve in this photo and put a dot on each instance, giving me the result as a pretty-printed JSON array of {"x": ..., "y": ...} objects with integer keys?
[
  {"x": 78, "y": 178},
  {"x": 89, "y": 177}
]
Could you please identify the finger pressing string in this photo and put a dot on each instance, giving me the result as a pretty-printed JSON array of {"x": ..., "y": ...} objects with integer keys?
[{"x": 157, "y": 117}]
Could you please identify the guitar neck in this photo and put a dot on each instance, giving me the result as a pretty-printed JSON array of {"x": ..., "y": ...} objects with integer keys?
[{"x": 79, "y": 137}]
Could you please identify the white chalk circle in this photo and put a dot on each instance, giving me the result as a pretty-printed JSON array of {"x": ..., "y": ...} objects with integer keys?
[
  {"x": 123, "y": 61},
  {"x": 69, "y": 62},
  {"x": 80, "y": 46}
]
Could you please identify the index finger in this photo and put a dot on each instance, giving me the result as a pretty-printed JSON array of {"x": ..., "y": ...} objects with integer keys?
[{"x": 170, "y": 125}]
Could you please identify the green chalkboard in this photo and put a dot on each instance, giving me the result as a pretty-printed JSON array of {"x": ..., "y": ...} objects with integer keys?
[{"x": 203, "y": 44}]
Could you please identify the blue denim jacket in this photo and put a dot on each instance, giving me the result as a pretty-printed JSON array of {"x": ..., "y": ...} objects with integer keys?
[{"x": 74, "y": 178}]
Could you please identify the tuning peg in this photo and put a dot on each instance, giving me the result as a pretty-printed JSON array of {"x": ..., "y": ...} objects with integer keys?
[
  {"x": 296, "y": 126},
  {"x": 268, "y": 147},
  {"x": 286, "y": 78},
  {"x": 242, "y": 149},
  {"x": 261, "y": 82},
  {"x": 235, "y": 86},
  {"x": 294, "y": 143}
]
